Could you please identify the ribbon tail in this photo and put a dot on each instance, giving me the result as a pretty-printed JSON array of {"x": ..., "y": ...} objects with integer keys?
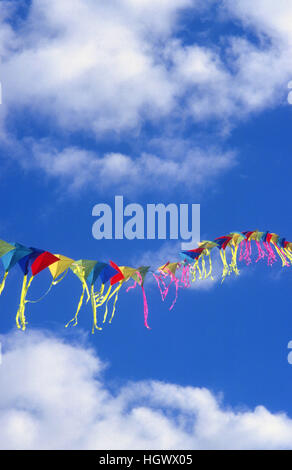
[
  {"x": 94, "y": 310},
  {"x": 75, "y": 318},
  {"x": 146, "y": 311},
  {"x": 20, "y": 316},
  {"x": 115, "y": 301},
  {"x": 2, "y": 285},
  {"x": 225, "y": 265}
]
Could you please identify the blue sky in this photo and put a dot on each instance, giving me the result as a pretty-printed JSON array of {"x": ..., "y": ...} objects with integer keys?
[{"x": 170, "y": 101}]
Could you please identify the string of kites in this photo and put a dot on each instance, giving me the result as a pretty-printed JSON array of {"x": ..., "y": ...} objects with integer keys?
[{"x": 102, "y": 282}]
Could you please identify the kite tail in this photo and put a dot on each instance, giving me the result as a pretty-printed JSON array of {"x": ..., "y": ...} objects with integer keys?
[
  {"x": 107, "y": 299},
  {"x": 146, "y": 311},
  {"x": 247, "y": 253},
  {"x": 75, "y": 318},
  {"x": 233, "y": 265},
  {"x": 281, "y": 254},
  {"x": 176, "y": 281},
  {"x": 103, "y": 300},
  {"x": 188, "y": 283},
  {"x": 210, "y": 265},
  {"x": 261, "y": 253},
  {"x": 165, "y": 293},
  {"x": 288, "y": 254},
  {"x": 2, "y": 285},
  {"x": 132, "y": 287},
  {"x": 196, "y": 267},
  {"x": 225, "y": 264},
  {"x": 193, "y": 270},
  {"x": 158, "y": 279},
  {"x": 185, "y": 277},
  {"x": 20, "y": 316},
  {"x": 271, "y": 254},
  {"x": 204, "y": 274},
  {"x": 94, "y": 299},
  {"x": 115, "y": 301},
  {"x": 99, "y": 299}
]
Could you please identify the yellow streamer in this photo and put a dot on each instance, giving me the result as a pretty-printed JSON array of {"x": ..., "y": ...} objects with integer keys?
[
  {"x": 116, "y": 291},
  {"x": 2, "y": 285},
  {"x": 94, "y": 308},
  {"x": 99, "y": 295},
  {"x": 288, "y": 254},
  {"x": 204, "y": 273},
  {"x": 210, "y": 264},
  {"x": 233, "y": 265},
  {"x": 225, "y": 265},
  {"x": 20, "y": 316},
  {"x": 75, "y": 318},
  {"x": 115, "y": 301},
  {"x": 284, "y": 262}
]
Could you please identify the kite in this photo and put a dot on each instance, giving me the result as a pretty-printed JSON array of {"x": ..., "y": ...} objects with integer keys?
[{"x": 102, "y": 281}]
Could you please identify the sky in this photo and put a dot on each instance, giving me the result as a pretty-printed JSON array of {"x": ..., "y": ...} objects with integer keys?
[{"x": 169, "y": 101}]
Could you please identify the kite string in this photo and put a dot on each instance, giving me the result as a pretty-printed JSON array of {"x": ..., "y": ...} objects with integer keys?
[{"x": 54, "y": 283}]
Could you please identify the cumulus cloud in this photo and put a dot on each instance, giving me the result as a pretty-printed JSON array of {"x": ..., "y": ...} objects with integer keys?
[
  {"x": 109, "y": 66},
  {"x": 54, "y": 395},
  {"x": 100, "y": 67},
  {"x": 91, "y": 64},
  {"x": 78, "y": 168}
]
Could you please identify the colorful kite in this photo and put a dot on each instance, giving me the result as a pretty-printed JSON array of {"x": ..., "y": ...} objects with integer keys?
[{"x": 103, "y": 281}]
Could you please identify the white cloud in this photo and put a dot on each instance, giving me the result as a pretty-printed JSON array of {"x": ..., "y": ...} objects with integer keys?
[
  {"x": 109, "y": 66},
  {"x": 268, "y": 17},
  {"x": 53, "y": 395},
  {"x": 79, "y": 168},
  {"x": 91, "y": 65},
  {"x": 113, "y": 66}
]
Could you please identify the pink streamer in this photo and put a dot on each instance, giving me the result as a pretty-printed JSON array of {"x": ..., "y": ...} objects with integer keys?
[
  {"x": 157, "y": 278},
  {"x": 241, "y": 252},
  {"x": 271, "y": 255},
  {"x": 176, "y": 292},
  {"x": 132, "y": 287},
  {"x": 247, "y": 254},
  {"x": 261, "y": 253},
  {"x": 286, "y": 261},
  {"x": 146, "y": 311},
  {"x": 185, "y": 278}
]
